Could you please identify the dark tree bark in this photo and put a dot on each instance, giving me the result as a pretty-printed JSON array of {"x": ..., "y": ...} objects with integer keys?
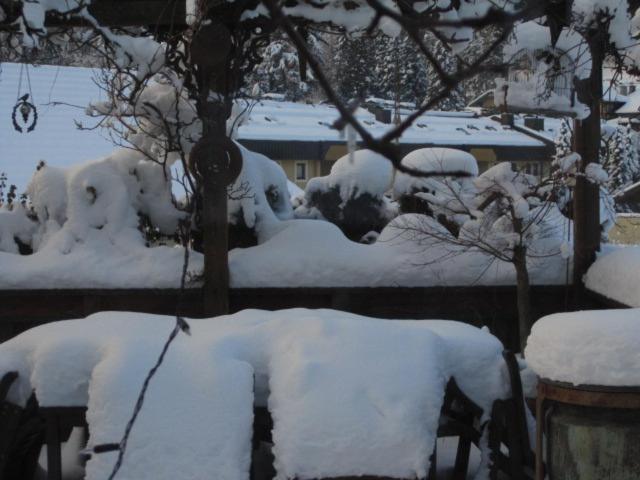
[
  {"x": 523, "y": 288},
  {"x": 586, "y": 199}
]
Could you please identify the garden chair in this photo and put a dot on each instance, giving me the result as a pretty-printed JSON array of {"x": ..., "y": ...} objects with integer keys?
[{"x": 21, "y": 434}]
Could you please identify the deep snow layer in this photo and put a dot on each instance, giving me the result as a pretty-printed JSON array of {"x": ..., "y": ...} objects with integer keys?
[
  {"x": 314, "y": 253},
  {"x": 341, "y": 403},
  {"x": 597, "y": 347},
  {"x": 615, "y": 275}
]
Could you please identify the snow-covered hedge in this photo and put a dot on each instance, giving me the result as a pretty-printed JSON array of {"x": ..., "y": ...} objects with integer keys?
[{"x": 352, "y": 196}]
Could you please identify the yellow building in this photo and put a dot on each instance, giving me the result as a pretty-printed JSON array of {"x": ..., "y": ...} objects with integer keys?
[{"x": 301, "y": 138}]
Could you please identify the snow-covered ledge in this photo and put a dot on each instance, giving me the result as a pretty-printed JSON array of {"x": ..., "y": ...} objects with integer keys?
[{"x": 616, "y": 274}]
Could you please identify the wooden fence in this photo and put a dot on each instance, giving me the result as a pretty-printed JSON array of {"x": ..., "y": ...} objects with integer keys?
[{"x": 494, "y": 307}]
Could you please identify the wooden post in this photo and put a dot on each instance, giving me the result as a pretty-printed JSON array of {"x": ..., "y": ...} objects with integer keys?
[
  {"x": 215, "y": 159},
  {"x": 214, "y": 223},
  {"x": 586, "y": 195}
]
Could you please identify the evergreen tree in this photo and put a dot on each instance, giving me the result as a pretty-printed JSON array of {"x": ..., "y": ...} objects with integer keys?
[
  {"x": 621, "y": 162},
  {"x": 448, "y": 62},
  {"x": 279, "y": 71},
  {"x": 484, "y": 80},
  {"x": 355, "y": 73},
  {"x": 563, "y": 141},
  {"x": 401, "y": 71}
]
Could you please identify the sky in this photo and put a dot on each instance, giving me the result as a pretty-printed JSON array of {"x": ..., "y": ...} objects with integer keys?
[{"x": 55, "y": 138}]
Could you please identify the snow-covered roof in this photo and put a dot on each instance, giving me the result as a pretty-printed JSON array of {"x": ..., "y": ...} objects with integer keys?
[
  {"x": 632, "y": 106},
  {"x": 288, "y": 121},
  {"x": 550, "y": 131},
  {"x": 55, "y": 138}
]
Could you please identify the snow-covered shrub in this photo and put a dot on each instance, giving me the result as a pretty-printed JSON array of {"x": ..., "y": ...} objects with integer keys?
[
  {"x": 353, "y": 194},
  {"x": 16, "y": 228},
  {"x": 502, "y": 214},
  {"x": 108, "y": 195},
  {"x": 436, "y": 196},
  {"x": 166, "y": 128},
  {"x": 259, "y": 196}
]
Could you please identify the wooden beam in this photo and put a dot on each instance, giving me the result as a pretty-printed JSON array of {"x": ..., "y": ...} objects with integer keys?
[{"x": 115, "y": 13}]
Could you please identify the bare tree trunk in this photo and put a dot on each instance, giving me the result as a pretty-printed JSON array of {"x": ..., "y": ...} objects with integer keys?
[{"x": 523, "y": 294}]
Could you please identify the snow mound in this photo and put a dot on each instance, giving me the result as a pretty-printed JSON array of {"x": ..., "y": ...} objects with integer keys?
[
  {"x": 14, "y": 225},
  {"x": 587, "y": 348},
  {"x": 260, "y": 194},
  {"x": 401, "y": 256},
  {"x": 362, "y": 172},
  {"x": 615, "y": 275},
  {"x": 326, "y": 377},
  {"x": 436, "y": 160}
]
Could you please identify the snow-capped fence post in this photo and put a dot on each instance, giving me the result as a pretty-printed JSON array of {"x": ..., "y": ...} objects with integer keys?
[{"x": 215, "y": 159}]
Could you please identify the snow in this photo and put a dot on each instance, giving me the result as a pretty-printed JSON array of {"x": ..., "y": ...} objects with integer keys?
[
  {"x": 436, "y": 160},
  {"x": 14, "y": 223},
  {"x": 614, "y": 275},
  {"x": 258, "y": 176},
  {"x": 326, "y": 377},
  {"x": 632, "y": 106},
  {"x": 296, "y": 122},
  {"x": 354, "y": 174},
  {"x": 400, "y": 257},
  {"x": 55, "y": 138},
  {"x": 527, "y": 95},
  {"x": 596, "y": 174},
  {"x": 87, "y": 231},
  {"x": 587, "y": 347}
]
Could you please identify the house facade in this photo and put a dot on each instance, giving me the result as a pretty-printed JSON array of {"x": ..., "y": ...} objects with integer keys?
[{"x": 301, "y": 139}]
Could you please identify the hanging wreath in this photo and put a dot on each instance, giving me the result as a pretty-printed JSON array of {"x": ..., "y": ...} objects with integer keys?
[{"x": 27, "y": 111}]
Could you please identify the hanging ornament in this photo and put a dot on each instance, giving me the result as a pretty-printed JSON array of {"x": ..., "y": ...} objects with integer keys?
[{"x": 28, "y": 113}]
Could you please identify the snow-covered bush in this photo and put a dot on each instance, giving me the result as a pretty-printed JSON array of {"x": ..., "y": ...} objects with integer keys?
[
  {"x": 163, "y": 126},
  {"x": 353, "y": 195},
  {"x": 435, "y": 196},
  {"x": 259, "y": 197},
  {"x": 16, "y": 226},
  {"x": 108, "y": 196},
  {"x": 502, "y": 214}
]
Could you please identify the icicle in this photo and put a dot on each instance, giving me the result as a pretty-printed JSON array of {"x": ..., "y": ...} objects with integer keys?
[{"x": 351, "y": 142}]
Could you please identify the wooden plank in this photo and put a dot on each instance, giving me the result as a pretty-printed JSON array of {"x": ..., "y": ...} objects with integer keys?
[
  {"x": 128, "y": 13},
  {"x": 491, "y": 306}
]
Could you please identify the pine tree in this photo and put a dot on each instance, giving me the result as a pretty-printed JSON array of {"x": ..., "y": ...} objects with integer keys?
[
  {"x": 448, "y": 62},
  {"x": 484, "y": 80},
  {"x": 621, "y": 163},
  {"x": 631, "y": 153},
  {"x": 355, "y": 73},
  {"x": 401, "y": 71},
  {"x": 563, "y": 142},
  {"x": 279, "y": 71}
]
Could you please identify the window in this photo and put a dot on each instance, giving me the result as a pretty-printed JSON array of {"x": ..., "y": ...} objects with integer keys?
[
  {"x": 301, "y": 171},
  {"x": 532, "y": 168}
]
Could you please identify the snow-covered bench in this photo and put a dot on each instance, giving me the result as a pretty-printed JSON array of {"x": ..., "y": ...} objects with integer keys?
[{"x": 348, "y": 395}]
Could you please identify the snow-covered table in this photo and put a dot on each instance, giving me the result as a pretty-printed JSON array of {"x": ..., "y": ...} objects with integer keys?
[{"x": 348, "y": 395}]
